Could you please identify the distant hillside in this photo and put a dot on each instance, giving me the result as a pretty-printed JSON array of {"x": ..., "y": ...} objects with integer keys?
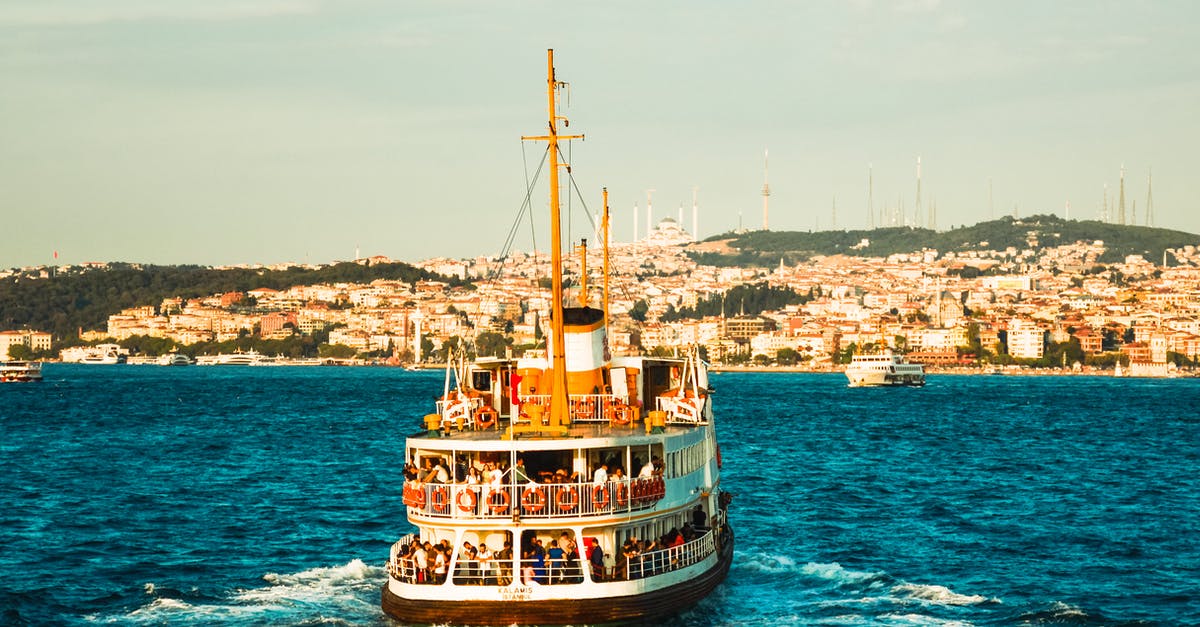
[
  {"x": 766, "y": 248},
  {"x": 84, "y": 298}
]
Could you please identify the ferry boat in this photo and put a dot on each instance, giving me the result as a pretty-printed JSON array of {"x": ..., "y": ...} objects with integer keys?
[
  {"x": 884, "y": 369},
  {"x": 565, "y": 486},
  {"x": 20, "y": 371},
  {"x": 107, "y": 354},
  {"x": 174, "y": 359},
  {"x": 237, "y": 358}
]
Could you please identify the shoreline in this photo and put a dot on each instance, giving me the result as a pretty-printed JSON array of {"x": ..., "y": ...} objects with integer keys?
[{"x": 1007, "y": 372}]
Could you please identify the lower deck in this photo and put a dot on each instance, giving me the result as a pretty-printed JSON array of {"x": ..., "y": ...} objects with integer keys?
[{"x": 673, "y": 588}]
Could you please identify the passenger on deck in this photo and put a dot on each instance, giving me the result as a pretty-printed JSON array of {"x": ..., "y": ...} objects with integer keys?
[
  {"x": 518, "y": 472},
  {"x": 467, "y": 565},
  {"x": 698, "y": 517},
  {"x": 503, "y": 559},
  {"x": 596, "y": 559},
  {"x": 557, "y": 564},
  {"x": 647, "y": 470},
  {"x": 485, "y": 565},
  {"x": 421, "y": 562},
  {"x": 600, "y": 476}
]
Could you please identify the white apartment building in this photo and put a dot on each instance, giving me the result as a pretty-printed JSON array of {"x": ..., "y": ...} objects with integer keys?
[{"x": 1025, "y": 339}]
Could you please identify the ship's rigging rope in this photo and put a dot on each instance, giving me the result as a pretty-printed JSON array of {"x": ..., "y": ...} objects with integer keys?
[{"x": 526, "y": 207}]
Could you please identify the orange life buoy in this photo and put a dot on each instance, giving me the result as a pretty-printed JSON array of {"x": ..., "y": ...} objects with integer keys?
[
  {"x": 419, "y": 497},
  {"x": 533, "y": 499},
  {"x": 485, "y": 418},
  {"x": 600, "y": 496},
  {"x": 569, "y": 503},
  {"x": 620, "y": 415},
  {"x": 471, "y": 499},
  {"x": 622, "y": 494},
  {"x": 439, "y": 498},
  {"x": 498, "y": 507}
]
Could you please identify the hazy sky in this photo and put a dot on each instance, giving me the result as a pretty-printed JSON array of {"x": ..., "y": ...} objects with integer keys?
[{"x": 240, "y": 131}]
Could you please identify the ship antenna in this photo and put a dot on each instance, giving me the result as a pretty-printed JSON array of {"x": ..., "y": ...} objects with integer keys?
[{"x": 604, "y": 225}]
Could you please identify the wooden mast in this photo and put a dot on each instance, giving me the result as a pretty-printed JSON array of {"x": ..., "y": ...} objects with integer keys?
[{"x": 559, "y": 412}]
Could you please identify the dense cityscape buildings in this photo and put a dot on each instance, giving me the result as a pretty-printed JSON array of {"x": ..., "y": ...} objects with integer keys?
[{"x": 979, "y": 308}]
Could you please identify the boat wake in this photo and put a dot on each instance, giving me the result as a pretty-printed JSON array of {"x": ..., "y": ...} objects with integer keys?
[
  {"x": 843, "y": 596},
  {"x": 337, "y": 595}
]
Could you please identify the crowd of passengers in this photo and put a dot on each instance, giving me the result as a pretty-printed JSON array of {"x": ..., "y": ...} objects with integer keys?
[
  {"x": 556, "y": 563},
  {"x": 434, "y": 470}
]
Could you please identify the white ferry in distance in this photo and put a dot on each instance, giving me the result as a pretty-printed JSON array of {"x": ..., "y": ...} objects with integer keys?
[
  {"x": 565, "y": 486},
  {"x": 99, "y": 354},
  {"x": 884, "y": 369},
  {"x": 20, "y": 371}
]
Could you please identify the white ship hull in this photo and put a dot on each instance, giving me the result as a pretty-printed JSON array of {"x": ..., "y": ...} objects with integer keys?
[{"x": 884, "y": 370}]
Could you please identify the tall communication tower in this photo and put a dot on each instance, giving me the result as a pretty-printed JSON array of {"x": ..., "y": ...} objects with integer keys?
[
  {"x": 919, "y": 219},
  {"x": 870, "y": 196},
  {"x": 1150, "y": 199},
  {"x": 833, "y": 216},
  {"x": 1104, "y": 217},
  {"x": 1121, "y": 202},
  {"x": 766, "y": 191}
]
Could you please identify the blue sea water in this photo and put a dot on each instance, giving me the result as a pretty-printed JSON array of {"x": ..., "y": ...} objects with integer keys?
[{"x": 141, "y": 495}]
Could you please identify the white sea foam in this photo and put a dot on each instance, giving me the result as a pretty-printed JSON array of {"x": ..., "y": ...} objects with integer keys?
[
  {"x": 921, "y": 619},
  {"x": 309, "y": 596},
  {"x": 837, "y": 573},
  {"x": 768, "y": 563},
  {"x": 939, "y": 595}
]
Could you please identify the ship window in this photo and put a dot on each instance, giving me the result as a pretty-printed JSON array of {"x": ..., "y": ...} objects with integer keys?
[{"x": 481, "y": 380}]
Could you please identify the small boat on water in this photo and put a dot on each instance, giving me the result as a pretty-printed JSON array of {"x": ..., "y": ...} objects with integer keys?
[
  {"x": 564, "y": 486},
  {"x": 106, "y": 354},
  {"x": 883, "y": 370},
  {"x": 20, "y": 371},
  {"x": 238, "y": 358},
  {"x": 174, "y": 359}
]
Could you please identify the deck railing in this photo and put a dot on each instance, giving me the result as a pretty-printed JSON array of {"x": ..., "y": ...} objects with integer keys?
[
  {"x": 498, "y": 572},
  {"x": 533, "y": 500},
  {"x": 584, "y": 408},
  {"x": 672, "y": 558}
]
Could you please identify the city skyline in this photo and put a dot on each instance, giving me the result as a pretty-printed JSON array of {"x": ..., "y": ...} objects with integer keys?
[{"x": 242, "y": 132}]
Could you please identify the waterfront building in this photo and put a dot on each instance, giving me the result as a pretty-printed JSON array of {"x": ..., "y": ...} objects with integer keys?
[{"x": 35, "y": 340}]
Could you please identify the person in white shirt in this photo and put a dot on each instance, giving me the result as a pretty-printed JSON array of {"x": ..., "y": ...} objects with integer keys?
[
  {"x": 601, "y": 475},
  {"x": 485, "y": 565}
]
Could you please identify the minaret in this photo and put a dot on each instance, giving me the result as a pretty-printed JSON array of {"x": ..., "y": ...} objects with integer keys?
[
  {"x": 681, "y": 215},
  {"x": 649, "y": 213},
  {"x": 635, "y": 222},
  {"x": 766, "y": 192},
  {"x": 1068, "y": 210},
  {"x": 695, "y": 216},
  {"x": 1121, "y": 201},
  {"x": 416, "y": 318},
  {"x": 833, "y": 216},
  {"x": 1150, "y": 200}
]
